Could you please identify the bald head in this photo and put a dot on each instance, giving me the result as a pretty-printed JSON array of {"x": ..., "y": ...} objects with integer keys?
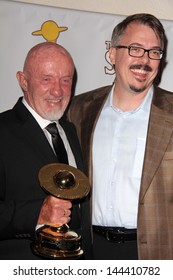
[{"x": 42, "y": 51}]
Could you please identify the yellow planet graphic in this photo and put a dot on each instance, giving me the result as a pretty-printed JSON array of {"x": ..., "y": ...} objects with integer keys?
[{"x": 50, "y": 31}]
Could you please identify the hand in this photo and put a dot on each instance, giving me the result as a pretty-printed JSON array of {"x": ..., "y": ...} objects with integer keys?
[{"x": 54, "y": 211}]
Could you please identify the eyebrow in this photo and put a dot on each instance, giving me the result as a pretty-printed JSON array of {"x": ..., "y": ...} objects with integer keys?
[{"x": 140, "y": 45}]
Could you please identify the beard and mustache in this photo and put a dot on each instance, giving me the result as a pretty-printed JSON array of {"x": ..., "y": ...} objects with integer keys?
[{"x": 145, "y": 68}]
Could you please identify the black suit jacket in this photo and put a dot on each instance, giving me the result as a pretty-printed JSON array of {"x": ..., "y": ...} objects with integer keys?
[{"x": 24, "y": 149}]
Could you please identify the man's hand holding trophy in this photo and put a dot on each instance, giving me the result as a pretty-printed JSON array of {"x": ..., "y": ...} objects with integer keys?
[{"x": 57, "y": 241}]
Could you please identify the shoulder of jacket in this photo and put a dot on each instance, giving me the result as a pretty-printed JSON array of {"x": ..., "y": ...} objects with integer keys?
[
  {"x": 164, "y": 94},
  {"x": 163, "y": 100},
  {"x": 93, "y": 93}
]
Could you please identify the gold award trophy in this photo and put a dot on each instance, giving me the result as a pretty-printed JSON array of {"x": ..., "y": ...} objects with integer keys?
[{"x": 65, "y": 182}]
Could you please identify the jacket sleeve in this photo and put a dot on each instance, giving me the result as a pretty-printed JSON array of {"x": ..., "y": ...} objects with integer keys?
[{"x": 18, "y": 216}]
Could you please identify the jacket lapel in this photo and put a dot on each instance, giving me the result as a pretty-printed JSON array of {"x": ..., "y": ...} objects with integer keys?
[
  {"x": 28, "y": 129},
  {"x": 159, "y": 134},
  {"x": 91, "y": 113},
  {"x": 38, "y": 141}
]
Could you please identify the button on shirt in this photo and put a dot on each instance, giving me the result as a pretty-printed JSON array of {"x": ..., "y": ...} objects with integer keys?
[{"x": 118, "y": 153}]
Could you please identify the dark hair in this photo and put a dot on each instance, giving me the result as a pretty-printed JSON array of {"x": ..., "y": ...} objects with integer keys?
[{"x": 145, "y": 19}]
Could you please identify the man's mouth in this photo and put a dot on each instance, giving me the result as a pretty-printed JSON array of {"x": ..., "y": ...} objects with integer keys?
[
  {"x": 140, "y": 71},
  {"x": 57, "y": 100}
]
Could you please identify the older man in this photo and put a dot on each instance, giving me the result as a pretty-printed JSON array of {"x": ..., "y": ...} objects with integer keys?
[{"x": 26, "y": 146}]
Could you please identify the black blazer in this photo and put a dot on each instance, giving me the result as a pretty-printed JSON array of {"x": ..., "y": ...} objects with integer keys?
[{"x": 24, "y": 149}]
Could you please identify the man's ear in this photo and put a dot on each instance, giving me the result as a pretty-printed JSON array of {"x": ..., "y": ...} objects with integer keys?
[
  {"x": 112, "y": 55},
  {"x": 22, "y": 80}
]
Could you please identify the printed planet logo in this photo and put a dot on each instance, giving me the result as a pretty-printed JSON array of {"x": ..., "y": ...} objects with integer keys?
[{"x": 50, "y": 31}]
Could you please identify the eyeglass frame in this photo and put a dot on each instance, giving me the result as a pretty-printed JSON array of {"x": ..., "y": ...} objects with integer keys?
[{"x": 145, "y": 50}]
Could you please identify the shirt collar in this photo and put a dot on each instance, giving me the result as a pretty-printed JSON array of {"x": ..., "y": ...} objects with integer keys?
[
  {"x": 42, "y": 122},
  {"x": 145, "y": 105}
]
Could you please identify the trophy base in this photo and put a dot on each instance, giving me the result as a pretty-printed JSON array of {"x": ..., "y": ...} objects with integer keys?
[{"x": 57, "y": 243}]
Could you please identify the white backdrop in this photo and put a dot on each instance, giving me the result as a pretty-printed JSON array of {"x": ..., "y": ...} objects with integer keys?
[{"x": 87, "y": 37}]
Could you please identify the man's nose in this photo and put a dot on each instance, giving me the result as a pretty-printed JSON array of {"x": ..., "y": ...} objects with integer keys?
[
  {"x": 146, "y": 55},
  {"x": 57, "y": 88}
]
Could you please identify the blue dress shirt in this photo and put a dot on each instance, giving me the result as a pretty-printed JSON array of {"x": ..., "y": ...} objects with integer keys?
[{"x": 118, "y": 152}]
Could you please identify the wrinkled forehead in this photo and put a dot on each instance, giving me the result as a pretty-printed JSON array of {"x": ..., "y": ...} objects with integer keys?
[{"x": 46, "y": 55}]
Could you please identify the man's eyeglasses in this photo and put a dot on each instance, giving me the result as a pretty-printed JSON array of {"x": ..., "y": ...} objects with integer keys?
[{"x": 139, "y": 52}]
